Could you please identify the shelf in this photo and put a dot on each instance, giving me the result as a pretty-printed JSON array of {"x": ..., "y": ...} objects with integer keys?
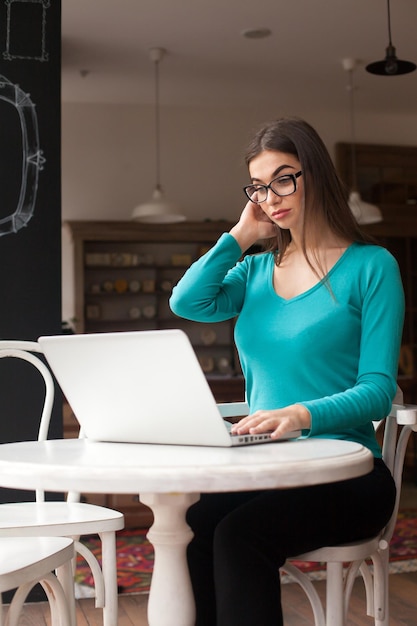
[
  {"x": 110, "y": 256},
  {"x": 134, "y": 268},
  {"x": 122, "y": 296}
]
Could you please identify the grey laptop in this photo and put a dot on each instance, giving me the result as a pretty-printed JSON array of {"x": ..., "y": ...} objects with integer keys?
[{"x": 141, "y": 387}]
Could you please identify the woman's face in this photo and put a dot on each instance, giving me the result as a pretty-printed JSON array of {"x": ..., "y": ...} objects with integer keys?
[{"x": 285, "y": 211}]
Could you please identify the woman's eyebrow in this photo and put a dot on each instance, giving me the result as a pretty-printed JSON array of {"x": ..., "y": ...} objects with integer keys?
[{"x": 275, "y": 172}]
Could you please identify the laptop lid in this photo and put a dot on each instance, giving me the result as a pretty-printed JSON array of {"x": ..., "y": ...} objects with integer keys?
[{"x": 141, "y": 386}]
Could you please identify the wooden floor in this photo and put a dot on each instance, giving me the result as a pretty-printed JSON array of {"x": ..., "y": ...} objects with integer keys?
[{"x": 132, "y": 608}]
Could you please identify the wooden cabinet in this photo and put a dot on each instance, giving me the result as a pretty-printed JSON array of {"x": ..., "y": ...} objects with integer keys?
[
  {"x": 124, "y": 274},
  {"x": 386, "y": 175}
]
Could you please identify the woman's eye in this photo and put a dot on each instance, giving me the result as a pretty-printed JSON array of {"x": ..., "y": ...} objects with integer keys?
[{"x": 283, "y": 180}]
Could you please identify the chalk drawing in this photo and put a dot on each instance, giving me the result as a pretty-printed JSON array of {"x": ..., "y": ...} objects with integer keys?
[
  {"x": 13, "y": 47},
  {"x": 32, "y": 157}
]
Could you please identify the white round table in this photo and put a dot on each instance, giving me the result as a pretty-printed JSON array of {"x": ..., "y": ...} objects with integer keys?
[{"x": 169, "y": 479}]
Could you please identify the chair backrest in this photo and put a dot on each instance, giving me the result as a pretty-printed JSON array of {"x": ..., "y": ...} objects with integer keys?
[
  {"x": 390, "y": 428},
  {"x": 27, "y": 351},
  {"x": 24, "y": 350},
  {"x": 398, "y": 426}
]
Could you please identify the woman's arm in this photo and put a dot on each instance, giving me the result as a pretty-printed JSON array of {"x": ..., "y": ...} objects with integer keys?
[
  {"x": 213, "y": 288},
  {"x": 210, "y": 291}
]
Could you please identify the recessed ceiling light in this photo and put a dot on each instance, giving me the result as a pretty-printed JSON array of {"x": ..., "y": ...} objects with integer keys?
[{"x": 256, "y": 33}]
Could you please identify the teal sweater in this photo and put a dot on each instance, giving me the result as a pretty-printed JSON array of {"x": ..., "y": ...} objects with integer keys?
[{"x": 335, "y": 350}]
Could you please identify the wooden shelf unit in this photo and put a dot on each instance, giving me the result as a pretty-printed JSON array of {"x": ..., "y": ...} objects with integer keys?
[{"x": 124, "y": 274}]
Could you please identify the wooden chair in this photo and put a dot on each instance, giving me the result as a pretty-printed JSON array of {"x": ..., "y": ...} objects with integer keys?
[
  {"x": 26, "y": 561},
  {"x": 69, "y": 518},
  {"x": 398, "y": 426}
]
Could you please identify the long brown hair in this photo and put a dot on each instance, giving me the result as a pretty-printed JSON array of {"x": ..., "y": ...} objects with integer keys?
[{"x": 325, "y": 197}]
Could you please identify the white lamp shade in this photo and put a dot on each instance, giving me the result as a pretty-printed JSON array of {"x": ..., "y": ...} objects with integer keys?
[
  {"x": 363, "y": 212},
  {"x": 157, "y": 210}
]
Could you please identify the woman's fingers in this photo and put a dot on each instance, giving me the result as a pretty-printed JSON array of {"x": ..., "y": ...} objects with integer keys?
[
  {"x": 261, "y": 421},
  {"x": 279, "y": 421}
]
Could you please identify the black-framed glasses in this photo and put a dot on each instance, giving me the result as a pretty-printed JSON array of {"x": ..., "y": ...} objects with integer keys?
[{"x": 281, "y": 186}]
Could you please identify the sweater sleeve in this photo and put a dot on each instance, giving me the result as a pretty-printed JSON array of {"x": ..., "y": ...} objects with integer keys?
[
  {"x": 213, "y": 288},
  {"x": 382, "y": 321}
]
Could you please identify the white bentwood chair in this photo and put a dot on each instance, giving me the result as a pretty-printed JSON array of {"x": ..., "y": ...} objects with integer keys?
[
  {"x": 398, "y": 426},
  {"x": 26, "y": 561},
  {"x": 70, "y": 518}
]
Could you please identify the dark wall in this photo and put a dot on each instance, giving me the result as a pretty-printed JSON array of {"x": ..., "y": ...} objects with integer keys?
[{"x": 30, "y": 200}]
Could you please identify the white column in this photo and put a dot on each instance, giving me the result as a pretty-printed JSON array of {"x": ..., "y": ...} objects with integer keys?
[{"x": 171, "y": 599}]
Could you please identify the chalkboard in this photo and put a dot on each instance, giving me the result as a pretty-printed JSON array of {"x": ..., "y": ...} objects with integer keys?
[{"x": 30, "y": 201}]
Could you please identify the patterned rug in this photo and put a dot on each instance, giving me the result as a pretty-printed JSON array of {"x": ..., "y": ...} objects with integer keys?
[{"x": 135, "y": 557}]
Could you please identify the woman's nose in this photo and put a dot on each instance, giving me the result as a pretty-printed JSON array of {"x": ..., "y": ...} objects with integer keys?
[{"x": 272, "y": 198}]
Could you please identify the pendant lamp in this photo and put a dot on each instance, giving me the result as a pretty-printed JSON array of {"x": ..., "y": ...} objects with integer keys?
[
  {"x": 363, "y": 212},
  {"x": 157, "y": 210},
  {"x": 390, "y": 66}
]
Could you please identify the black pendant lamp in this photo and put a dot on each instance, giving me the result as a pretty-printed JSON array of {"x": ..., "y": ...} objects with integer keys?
[{"x": 390, "y": 66}]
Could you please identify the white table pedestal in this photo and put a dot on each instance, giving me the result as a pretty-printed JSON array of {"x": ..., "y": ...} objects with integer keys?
[{"x": 171, "y": 600}]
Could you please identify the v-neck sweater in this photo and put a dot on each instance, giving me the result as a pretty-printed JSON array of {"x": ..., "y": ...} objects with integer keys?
[{"x": 334, "y": 348}]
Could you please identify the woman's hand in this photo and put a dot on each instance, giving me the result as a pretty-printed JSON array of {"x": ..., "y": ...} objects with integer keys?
[
  {"x": 278, "y": 422},
  {"x": 253, "y": 225}
]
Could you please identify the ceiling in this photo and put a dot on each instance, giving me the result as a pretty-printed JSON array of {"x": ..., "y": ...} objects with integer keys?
[{"x": 105, "y": 54}]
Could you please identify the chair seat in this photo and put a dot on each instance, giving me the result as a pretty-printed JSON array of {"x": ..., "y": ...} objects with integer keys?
[
  {"x": 57, "y": 519},
  {"x": 342, "y": 553},
  {"x": 25, "y": 559}
]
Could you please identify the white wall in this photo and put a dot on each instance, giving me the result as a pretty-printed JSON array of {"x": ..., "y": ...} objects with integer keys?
[{"x": 108, "y": 159}]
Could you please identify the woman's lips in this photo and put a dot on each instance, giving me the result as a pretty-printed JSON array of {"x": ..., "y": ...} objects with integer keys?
[{"x": 276, "y": 215}]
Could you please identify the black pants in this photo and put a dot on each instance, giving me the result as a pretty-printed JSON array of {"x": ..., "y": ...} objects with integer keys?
[{"x": 241, "y": 539}]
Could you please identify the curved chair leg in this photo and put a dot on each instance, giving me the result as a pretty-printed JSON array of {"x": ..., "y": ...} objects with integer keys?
[
  {"x": 310, "y": 591},
  {"x": 60, "y": 608},
  {"x": 65, "y": 575},
  {"x": 368, "y": 579},
  {"x": 58, "y": 602},
  {"x": 13, "y": 612},
  {"x": 57, "y": 599},
  {"x": 381, "y": 587},
  {"x": 95, "y": 568},
  {"x": 105, "y": 577},
  {"x": 350, "y": 577}
]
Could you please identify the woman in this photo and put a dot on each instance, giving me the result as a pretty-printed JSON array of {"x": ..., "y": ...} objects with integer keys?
[{"x": 318, "y": 331}]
